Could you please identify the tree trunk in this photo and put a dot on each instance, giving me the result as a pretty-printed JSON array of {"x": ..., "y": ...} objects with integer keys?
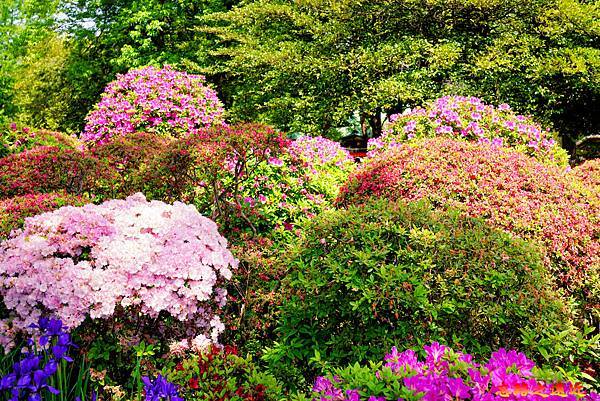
[{"x": 375, "y": 123}]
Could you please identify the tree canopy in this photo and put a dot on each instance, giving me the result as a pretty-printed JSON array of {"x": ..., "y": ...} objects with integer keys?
[{"x": 309, "y": 64}]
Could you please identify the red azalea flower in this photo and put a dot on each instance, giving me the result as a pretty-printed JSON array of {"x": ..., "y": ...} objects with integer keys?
[{"x": 193, "y": 383}]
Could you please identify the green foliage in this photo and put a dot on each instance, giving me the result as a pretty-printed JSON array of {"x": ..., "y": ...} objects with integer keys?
[{"x": 384, "y": 274}]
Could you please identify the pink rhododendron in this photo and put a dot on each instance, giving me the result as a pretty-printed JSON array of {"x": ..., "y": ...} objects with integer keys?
[
  {"x": 162, "y": 101},
  {"x": 471, "y": 119},
  {"x": 79, "y": 262}
]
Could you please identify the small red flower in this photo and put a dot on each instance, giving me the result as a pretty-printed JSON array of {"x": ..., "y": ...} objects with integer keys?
[{"x": 193, "y": 383}]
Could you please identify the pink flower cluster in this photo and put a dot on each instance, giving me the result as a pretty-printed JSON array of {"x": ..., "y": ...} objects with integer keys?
[
  {"x": 162, "y": 101},
  {"x": 510, "y": 190},
  {"x": 471, "y": 119},
  {"x": 79, "y": 262},
  {"x": 449, "y": 375}
]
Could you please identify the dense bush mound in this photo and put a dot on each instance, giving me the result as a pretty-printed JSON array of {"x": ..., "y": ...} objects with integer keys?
[
  {"x": 471, "y": 119},
  {"x": 448, "y": 375},
  {"x": 508, "y": 189},
  {"x": 13, "y": 211},
  {"x": 249, "y": 176},
  {"x": 386, "y": 273},
  {"x": 162, "y": 101},
  {"x": 147, "y": 257},
  {"x": 50, "y": 169}
]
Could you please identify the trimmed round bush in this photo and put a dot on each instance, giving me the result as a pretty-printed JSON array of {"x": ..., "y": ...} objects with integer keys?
[
  {"x": 128, "y": 157},
  {"x": 509, "y": 190},
  {"x": 151, "y": 258},
  {"x": 50, "y": 169},
  {"x": 13, "y": 211},
  {"x": 386, "y": 273},
  {"x": 162, "y": 101},
  {"x": 469, "y": 118}
]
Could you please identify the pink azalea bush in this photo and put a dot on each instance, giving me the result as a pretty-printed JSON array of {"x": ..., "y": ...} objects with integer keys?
[
  {"x": 448, "y": 375},
  {"x": 510, "y": 190},
  {"x": 163, "y": 101},
  {"x": 85, "y": 262},
  {"x": 471, "y": 119}
]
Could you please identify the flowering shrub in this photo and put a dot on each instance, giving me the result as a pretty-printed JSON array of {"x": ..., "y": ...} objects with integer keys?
[
  {"x": 219, "y": 373},
  {"x": 448, "y": 375},
  {"x": 388, "y": 273},
  {"x": 328, "y": 164},
  {"x": 49, "y": 169},
  {"x": 506, "y": 188},
  {"x": 589, "y": 173},
  {"x": 243, "y": 176},
  {"x": 88, "y": 261},
  {"x": 13, "y": 211},
  {"x": 160, "y": 101},
  {"x": 459, "y": 117},
  {"x": 256, "y": 292}
]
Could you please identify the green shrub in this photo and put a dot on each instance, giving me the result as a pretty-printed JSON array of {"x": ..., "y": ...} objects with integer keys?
[{"x": 385, "y": 274}]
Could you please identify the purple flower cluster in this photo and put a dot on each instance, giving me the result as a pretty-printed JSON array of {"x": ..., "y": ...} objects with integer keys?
[
  {"x": 469, "y": 118},
  {"x": 160, "y": 389},
  {"x": 30, "y": 376},
  {"x": 448, "y": 375},
  {"x": 162, "y": 101}
]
